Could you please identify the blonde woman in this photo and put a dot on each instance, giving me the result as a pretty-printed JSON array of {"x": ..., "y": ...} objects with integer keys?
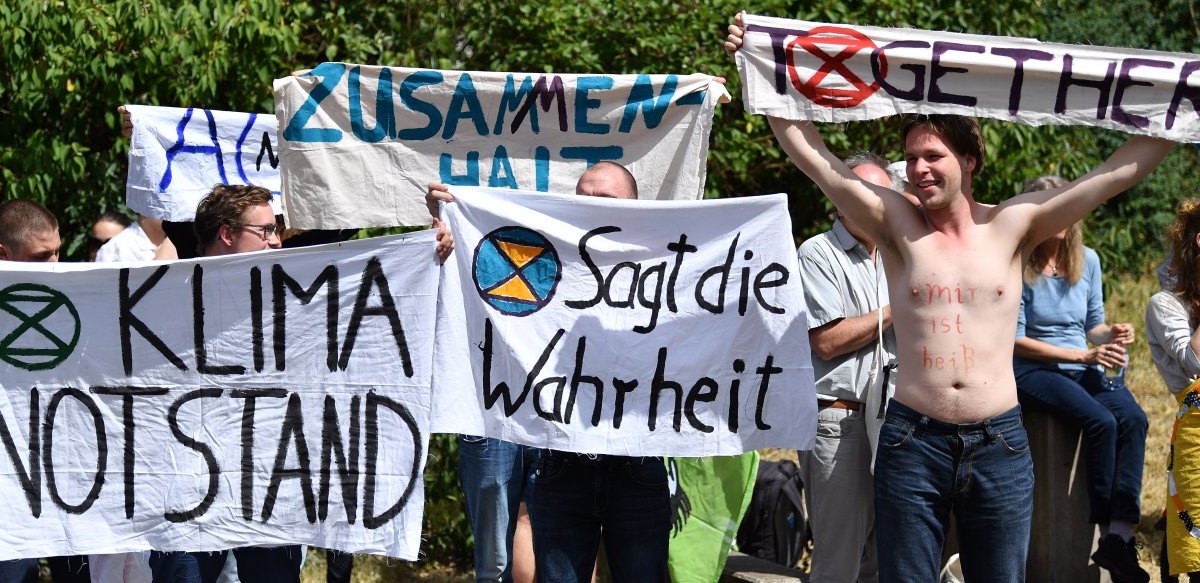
[
  {"x": 1174, "y": 341},
  {"x": 1062, "y": 310}
]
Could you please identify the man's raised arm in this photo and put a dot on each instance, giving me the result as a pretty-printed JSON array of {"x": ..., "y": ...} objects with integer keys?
[
  {"x": 1056, "y": 209},
  {"x": 862, "y": 202}
]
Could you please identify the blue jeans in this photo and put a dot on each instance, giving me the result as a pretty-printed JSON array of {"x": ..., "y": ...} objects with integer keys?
[
  {"x": 496, "y": 476},
  {"x": 580, "y": 498},
  {"x": 276, "y": 564},
  {"x": 982, "y": 471},
  {"x": 1114, "y": 426}
]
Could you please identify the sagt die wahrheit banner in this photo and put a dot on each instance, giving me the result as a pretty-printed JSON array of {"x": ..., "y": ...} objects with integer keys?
[
  {"x": 268, "y": 398},
  {"x": 359, "y": 143},
  {"x": 624, "y": 327},
  {"x": 837, "y": 72}
]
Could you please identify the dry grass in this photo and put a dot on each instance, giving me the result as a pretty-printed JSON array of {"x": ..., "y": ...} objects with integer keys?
[
  {"x": 1127, "y": 303},
  {"x": 373, "y": 569}
]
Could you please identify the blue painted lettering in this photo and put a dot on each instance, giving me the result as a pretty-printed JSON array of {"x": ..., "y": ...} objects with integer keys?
[
  {"x": 510, "y": 101},
  {"x": 592, "y": 154},
  {"x": 180, "y": 147},
  {"x": 541, "y": 168},
  {"x": 447, "y": 175},
  {"x": 331, "y": 75},
  {"x": 241, "y": 170},
  {"x": 410, "y": 85},
  {"x": 500, "y": 164},
  {"x": 583, "y": 103},
  {"x": 693, "y": 98},
  {"x": 642, "y": 97},
  {"x": 385, "y": 117},
  {"x": 464, "y": 95}
]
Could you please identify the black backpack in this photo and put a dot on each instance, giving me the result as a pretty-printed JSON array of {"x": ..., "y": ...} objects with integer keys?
[{"x": 775, "y": 527}]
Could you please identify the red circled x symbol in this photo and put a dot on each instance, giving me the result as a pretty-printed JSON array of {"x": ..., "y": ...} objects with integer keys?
[{"x": 852, "y": 42}]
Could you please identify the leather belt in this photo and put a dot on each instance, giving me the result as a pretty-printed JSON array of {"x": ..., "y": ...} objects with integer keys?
[{"x": 840, "y": 404}]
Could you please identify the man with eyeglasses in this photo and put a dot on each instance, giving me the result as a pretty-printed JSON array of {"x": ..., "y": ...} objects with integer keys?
[
  {"x": 235, "y": 219},
  {"x": 232, "y": 219}
]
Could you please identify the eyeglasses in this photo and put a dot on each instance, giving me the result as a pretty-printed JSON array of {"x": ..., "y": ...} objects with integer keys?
[{"x": 265, "y": 231}]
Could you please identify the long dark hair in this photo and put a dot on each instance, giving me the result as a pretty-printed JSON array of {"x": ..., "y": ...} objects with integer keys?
[{"x": 1185, "y": 255}]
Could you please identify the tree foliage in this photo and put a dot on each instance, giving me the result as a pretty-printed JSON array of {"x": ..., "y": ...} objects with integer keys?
[{"x": 1130, "y": 230}]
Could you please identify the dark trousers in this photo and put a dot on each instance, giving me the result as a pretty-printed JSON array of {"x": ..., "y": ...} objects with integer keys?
[
  {"x": 581, "y": 498},
  {"x": 275, "y": 564},
  {"x": 1114, "y": 428},
  {"x": 338, "y": 566}
]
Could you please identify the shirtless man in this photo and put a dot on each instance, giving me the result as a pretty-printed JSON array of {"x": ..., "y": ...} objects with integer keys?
[{"x": 953, "y": 438}]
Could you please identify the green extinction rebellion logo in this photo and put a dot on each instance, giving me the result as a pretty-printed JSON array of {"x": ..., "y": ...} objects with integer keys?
[
  {"x": 516, "y": 270},
  {"x": 39, "y": 327}
]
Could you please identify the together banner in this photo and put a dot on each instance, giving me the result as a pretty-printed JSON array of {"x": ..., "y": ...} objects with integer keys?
[
  {"x": 258, "y": 399},
  {"x": 360, "y": 144},
  {"x": 834, "y": 73},
  {"x": 623, "y": 327},
  {"x": 176, "y": 155}
]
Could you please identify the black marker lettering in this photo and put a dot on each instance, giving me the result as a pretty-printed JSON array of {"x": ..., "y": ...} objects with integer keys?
[
  {"x": 708, "y": 395},
  {"x": 48, "y": 450},
  {"x": 210, "y": 460},
  {"x": 30, "y": 475},
  {"x": 374, "y": 401},
  {"x": 293, "y": 430},
  {"x": 592, "y": 267},
  {"x": 127, "y": 320},
  {"x": 280, "y": 281},
  {"x": 347, "y": 459},
  {"x": 127, "y": 394},
  {"x": 766, "y": 370},
  {"x": 248, "y": 441},
  {"x": 202, "y": 365},
  {"x": 661, "y": 384},
  {"x": 373, "y": 276}
]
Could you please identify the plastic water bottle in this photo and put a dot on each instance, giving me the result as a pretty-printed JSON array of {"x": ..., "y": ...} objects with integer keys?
[{"x": 1114, "y": 378}]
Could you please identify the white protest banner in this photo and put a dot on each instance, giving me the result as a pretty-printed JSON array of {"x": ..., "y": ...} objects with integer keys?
[
  {"x": 266, "y": 398},
  {"x": 176, "y": 155},
  {"x": 360, "y": 144},
  {"x": 834, "y": 73},
  {"x": 623, "y": 327}
]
